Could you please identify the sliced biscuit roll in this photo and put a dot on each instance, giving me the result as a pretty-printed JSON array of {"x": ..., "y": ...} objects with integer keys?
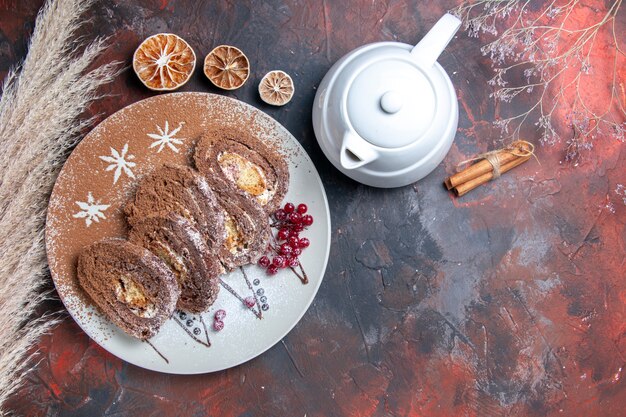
[
  {"x": 133, "y": 287},
  {"x": 181, "y": 190},
  {"x": 245, "y": 161},
  {"x": 247, "y": 227},
  {"x": 177, "y": 242}
]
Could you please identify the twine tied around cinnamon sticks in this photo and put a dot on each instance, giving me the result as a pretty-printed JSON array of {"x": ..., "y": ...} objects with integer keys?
[{"x": 490, "y": 166}]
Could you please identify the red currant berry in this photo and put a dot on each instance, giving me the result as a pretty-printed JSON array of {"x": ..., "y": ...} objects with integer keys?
[
  {"x": 272, "y": 270},
  {"x": 307, "y": 220},
  {"x": 280, "y": 214},
  {"x": 285, "y": 249},
  {"x": 278, "y": 261},
  {"x": 295, "y": 218},
  {"x": 218, "y": 325},
  {"x": 249, "y": 302},
  {"x": 293, "y": 262},
  {"x": 296, "y": 252},
  {"x": 297, "y": 228},
  {"x": 220, "y": 315},
  {"x": 289, "y": 208},
  {"x": 294, "y": 242},
  {"x": 302, "y": 208},
  {"x": 304, "y": 242},
  {"x": 283, "y": 234},
  {"x": 264, "y": 261}
]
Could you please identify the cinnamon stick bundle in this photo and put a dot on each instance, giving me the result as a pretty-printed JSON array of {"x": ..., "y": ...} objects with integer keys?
[{"x": 489, "y": 166}]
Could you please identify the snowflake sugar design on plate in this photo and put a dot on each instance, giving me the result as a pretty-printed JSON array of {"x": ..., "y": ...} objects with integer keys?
[
  {"x": 91, "y": 210},
  {"x": 166, "y": 138},
  {"x": 120, "y": 162}
]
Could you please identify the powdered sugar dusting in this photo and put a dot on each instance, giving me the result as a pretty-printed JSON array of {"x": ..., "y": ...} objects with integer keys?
[
  {"x": 193, "y": 234},
  {"x": 120, "y": 162},
  {"x": 166, "y": 138},
  {"x": 91, "y": 210}
]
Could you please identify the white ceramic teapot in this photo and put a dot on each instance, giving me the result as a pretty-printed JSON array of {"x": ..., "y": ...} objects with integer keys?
[{"x": 386, "y": 113}]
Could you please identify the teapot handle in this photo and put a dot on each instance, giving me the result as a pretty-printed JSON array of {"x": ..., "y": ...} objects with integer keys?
[{"x": 432, "y": 45}]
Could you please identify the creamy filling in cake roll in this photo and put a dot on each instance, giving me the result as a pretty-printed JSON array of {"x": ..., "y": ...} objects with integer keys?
[
  {"x": 130, "y": 292},
  {"x": 234, "y": 241},
  {"x": 180, "y": 245},
  {"x": 247, "y": 228},
  {"x": 175, "y": 261},
  {"x": 131, "y": 286},
  {"x": 246, "y": 162},
  {"x": 246, "y": 175},
  {"x": 183, "y": 191}
]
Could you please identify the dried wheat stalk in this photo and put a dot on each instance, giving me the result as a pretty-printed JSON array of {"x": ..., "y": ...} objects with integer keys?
[{"x": 40, "y": 119}]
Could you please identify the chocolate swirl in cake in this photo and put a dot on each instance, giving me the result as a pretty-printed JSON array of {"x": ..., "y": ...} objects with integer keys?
[
  {"x": 176, "y": 241},
  {"x": 250, "y": 165},
  {"x": 133, "y": 287},
  {"x": 181, "y": 190}
]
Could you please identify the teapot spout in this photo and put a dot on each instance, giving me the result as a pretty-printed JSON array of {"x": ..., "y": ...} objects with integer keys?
[
  {"x": 432, "y": 45},
  {"x": 356, "y": 152}
]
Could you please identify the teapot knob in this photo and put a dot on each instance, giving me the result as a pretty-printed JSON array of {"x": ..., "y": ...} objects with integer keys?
[{"x": 391, "y": 102}]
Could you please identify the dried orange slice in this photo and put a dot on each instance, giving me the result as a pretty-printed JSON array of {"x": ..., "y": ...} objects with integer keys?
[
  {"x": 276, "y": 88},
  {"x": 164, "y": 62},
  {"x": 227, "y": 67}
]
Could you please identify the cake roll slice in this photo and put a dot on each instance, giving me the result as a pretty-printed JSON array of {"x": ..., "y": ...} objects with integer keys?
[
  {"x": 247, "y": 227},
  {"x": 242, "y": 159},
  {"x": 134, "y": 288},
  {"x": 181, "y": 190},
  {"x": 177, "y": 242}
]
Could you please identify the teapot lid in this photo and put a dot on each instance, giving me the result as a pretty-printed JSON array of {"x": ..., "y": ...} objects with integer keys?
[{"x": 391, "y": 102}]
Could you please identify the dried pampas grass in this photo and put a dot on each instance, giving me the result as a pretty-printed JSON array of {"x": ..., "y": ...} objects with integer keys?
[{"x": 40, "y": 120}]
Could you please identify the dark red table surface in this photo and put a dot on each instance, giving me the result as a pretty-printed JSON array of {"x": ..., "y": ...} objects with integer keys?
[{"x": 509, "y": 301}]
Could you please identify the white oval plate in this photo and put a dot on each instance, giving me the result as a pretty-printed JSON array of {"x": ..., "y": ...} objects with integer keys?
[{"x": 89, "y": 178}]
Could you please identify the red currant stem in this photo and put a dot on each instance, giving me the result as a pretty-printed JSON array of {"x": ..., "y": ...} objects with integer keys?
[
  {"x": 272, "y": 244},
  {"x": 279, "y": 223},
  {"x": 275, "y": 249}
]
